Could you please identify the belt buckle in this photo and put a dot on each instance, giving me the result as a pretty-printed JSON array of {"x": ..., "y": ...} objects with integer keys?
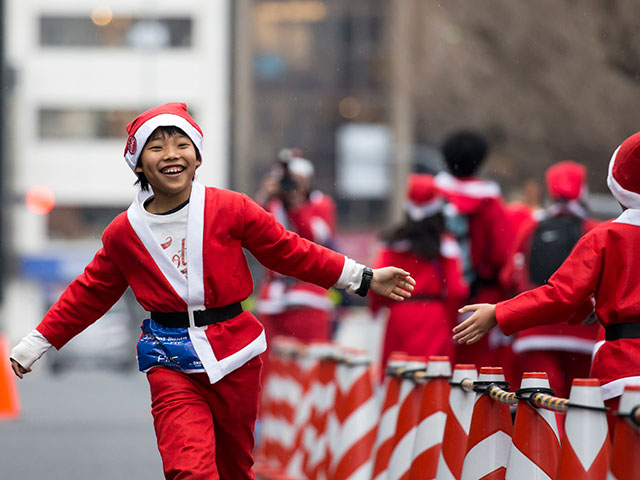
[{"x": 190, "y": 314}]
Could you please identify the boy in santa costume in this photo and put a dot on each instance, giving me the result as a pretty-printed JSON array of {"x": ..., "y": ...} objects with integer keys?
[
  {"x": 179, "y": 247},
  {"x": 562, "y": 350},
  {"x": 603, "y": 264}
]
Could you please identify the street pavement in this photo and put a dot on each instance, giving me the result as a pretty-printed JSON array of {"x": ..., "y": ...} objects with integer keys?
[{"x": 81, "y": 425}]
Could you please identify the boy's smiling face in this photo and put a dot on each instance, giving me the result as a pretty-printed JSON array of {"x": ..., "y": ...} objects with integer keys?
[{"x": 169, "y": 163}]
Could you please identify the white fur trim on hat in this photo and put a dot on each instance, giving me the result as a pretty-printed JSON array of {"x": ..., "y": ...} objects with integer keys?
[
  {"x": 301, "y": 166},
  {"x": 134, "y": 147},
  {"x": 625, "y": 197}
]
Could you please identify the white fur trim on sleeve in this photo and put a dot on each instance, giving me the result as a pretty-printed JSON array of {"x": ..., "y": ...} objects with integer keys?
[
  {"x": 30, "y": 349},
  {"x": 351, "y": 276}
]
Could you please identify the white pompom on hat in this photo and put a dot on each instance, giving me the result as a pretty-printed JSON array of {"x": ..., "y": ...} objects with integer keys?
[
  {"x": 168, "y": 115},
  {"x": 424, "y": 198},
  {"x": 624, "y": 173}
]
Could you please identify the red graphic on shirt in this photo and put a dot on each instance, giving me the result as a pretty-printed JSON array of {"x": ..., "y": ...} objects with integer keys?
[
  {"x": 167, "y": 243},
  {"x": 180, "y": 258}
]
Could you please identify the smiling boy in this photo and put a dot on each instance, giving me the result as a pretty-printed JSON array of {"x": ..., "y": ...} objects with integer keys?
[{"x": 179, "y": 247}]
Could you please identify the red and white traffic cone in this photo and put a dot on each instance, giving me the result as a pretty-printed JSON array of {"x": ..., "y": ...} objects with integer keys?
[
  {"x": 406, "y": 426},
  {"x": 585, "y": 449},
  {"x": 323, "y": 393},
  {"x": 267, "y": 455},
  {"x": 356, "y": 412},
  {"x": 536, "y": 445},
  {"x": 489, "y": 434},
  {"x": 456, "y": 429},
  {"x": 388, "y": 415},
  {"x": 625, "y": 458},
  {"x": 432, "y": 419}
]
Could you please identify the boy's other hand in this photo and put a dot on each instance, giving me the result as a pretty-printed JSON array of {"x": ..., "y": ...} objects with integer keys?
[
  {"x": 18, "y": 369},
  {"x": 393, "y": 283},
  {"x": 477, "y": 325}
]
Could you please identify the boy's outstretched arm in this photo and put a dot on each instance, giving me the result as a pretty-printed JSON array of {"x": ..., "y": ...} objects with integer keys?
[
  {"x": 392, "y": 282},
  {"x": 477, "y": 325}
]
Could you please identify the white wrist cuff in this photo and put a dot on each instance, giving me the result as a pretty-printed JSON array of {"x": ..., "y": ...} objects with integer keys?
[
  {"x": 351, "y": 276},
  {"x": 30, "y": 349}
]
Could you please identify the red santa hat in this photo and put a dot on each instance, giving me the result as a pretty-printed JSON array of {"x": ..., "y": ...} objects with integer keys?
[
  {"x": 567, "y": 180},
  {"x": 424, "y": 198},
  {"x": 624, "y": 172},
  {"x": 167, "y": 115}
]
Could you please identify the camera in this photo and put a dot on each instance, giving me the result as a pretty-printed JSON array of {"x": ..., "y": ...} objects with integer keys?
[{"x": 287, "y": 183}]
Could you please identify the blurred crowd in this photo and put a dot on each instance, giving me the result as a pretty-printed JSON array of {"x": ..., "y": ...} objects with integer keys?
[{"x": 463, "y": 243}]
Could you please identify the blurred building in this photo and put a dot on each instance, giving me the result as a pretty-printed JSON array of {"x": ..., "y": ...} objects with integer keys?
[
  {"x": 316, "y": 75},
  {"x": 80, "y": 73}
]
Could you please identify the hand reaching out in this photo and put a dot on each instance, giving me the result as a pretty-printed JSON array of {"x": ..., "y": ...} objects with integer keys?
[
  {"x": 393, "y": 283},
  {"x": 18, "y": 369},
  {"x": 477, "y": 325}
]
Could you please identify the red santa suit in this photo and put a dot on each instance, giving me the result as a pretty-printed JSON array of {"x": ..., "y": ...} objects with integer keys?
[
  {"x": 422, "y": 325},
  {"x": 204, "y": 421},
  {"x": 486, "y": 245},
  {"x": 604, "y": 265},
  {"x": 562, "y": 350}
]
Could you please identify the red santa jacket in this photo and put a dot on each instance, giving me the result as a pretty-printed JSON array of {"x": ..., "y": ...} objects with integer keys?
[
  {"x": 569, "y": 336},
  {"x": 490, "y": 228},
  {"x": 314, "y": 220},
  {"x": 439, "y": 281},
  {"x": 604, "y": 264},
  {"x": 220, "y": 224}
]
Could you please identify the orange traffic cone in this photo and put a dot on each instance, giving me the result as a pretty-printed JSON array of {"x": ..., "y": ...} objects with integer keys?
[
  {"x": 388, "y": 416},
  {"x": 585, "y": 447},
  {"x": 456, "y": 429},
  {"x": 489, "y": 433},
  {"x": 625, "y": 461},
  {"x": 536, "y": 445},
  {"x": 406, "y": 427},
  {"x": 432, "y": 419},
  {"x": 9, "y": 403}
]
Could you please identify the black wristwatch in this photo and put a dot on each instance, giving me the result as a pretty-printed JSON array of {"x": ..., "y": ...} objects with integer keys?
[{"x": 367, "y": 276}]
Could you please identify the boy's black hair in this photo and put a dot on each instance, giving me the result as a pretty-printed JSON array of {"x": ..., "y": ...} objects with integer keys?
[
  {"x": 423, "y": 236},
  {"x": 464, "y": 152},
  {"x": 168, "y": 131}
]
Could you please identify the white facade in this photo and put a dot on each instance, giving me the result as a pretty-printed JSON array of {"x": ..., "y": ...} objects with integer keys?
[{"x": 86, "y": 172}]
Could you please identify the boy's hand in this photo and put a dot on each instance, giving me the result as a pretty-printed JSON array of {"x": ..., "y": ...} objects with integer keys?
[
  {"x": 18, "y": 369},
  {"x": 393, "y": 283},
  {"x": 477, "y": 325}
]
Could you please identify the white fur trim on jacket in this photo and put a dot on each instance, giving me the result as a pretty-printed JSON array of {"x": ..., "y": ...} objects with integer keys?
[{"x": 470, "y": 188}]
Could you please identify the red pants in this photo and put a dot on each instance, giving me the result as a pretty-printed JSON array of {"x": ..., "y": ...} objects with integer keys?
[{"x": 205, "y": 431}]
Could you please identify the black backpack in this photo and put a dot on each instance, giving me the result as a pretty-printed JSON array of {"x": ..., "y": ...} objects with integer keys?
[{"x": 552, "y": 242}]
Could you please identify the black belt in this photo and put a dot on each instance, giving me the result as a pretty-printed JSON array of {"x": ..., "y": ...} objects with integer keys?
[
  {"x": 200, "y": 317},
  {"x": 622, "y": 330}
]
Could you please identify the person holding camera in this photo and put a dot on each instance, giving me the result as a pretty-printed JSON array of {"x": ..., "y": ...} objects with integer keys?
[{"x": 287, "y": 306}]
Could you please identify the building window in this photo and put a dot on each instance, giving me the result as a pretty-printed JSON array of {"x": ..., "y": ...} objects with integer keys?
[
  {"x": 56, "y": 123},
  {"x": 79, "y": 223},
  {"x": 134, "y": 32}
]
